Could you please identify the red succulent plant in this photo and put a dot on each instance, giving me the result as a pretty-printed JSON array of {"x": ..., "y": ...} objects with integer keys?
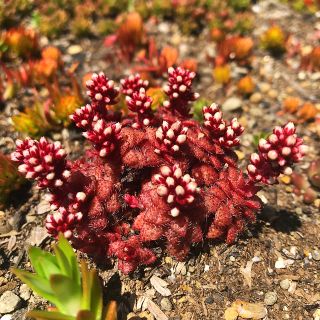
[{"x": 168, "y": 179}]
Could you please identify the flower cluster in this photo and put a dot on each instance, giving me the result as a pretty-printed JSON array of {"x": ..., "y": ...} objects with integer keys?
[
  {"x": 276, "y": 154},
  {"x": 169, "y": 178},
  {"x": 179, "y": 89},
  {"x": 170, "y": 137},
  {"x": 133, "y": 84},
  {"x": 102, "y": 90},
  {"x": 178, "y": 189},
  {"x": 42, "y": 161},
  {"x": 225, "y": 135},
  {"x": 140, "y": 103}
]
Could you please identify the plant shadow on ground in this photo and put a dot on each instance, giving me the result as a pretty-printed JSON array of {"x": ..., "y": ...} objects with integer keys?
[
  {"x": 279, "y": 220},
  {"x": 125, "y": 302}
]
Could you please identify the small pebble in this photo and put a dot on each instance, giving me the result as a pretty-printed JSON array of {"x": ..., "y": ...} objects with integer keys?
[
  {"x": 165, "y": 304},
  {"x": 209, "y": 300},
  {"x": 316, "y": 255},
  {"x": 316, "y": 315},
  {"x": 9, "y": 302},
  {"x": 74, "y": 49},
  {"x": 270, "y": 298},
  {"x": 256, "y": 97},
  {"x": 280, "y": 264},
  {"x": 24, "y": 292},
  {"x": 6, "y": 317},
  {"x": 273, "y": 94},
  {"x": 264, "y": 87},
  {"x": 231, "y": 104},
  {"x": 285, "y": 284}
]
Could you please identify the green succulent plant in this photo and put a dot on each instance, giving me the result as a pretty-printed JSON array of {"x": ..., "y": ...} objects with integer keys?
[{"x": 75, "y": 292}]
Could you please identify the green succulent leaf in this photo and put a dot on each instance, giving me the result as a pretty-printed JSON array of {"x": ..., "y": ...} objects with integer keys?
[
  {"x": 38, "y": 284},
  {"x": 66, "y": 249},
  {"x": 68, "y": 294},
  {"x": 49, "y": 315},
  {"x": 43, "y": 263}
]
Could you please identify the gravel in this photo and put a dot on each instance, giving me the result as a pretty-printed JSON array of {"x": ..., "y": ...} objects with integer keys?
[{"x": 9, "y": 302}]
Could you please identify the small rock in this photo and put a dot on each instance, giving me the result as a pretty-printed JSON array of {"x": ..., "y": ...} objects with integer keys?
[
  {"x": 166, "y": 304},
  {"x": 131, "y": 315},
  {"x": 43, "y": 207},
  {"x": 164, "y": 27},
  {"x": 316, "y": 255},
  {"x": 181, "y": 268},
  {"x": 280, "y": 264},
  {"x": 270, "y": 298},
  {"x": 256, "y": 97},
  {"x": 315, "y": 76},
  {"x": 146, "y": 315},
  {"x": 209, "y": 300},
  {"x": 6, "y": 317},
  {"x": 191, "y": 269},
  {"x": 302, "y": 75},
  {"x": 24, "y": 292},
  {"x": 160, "y": 285},
  {"x": 264, "y": 87},
  {"x": 9, "y": 302},
  {"x": 37, "y": 236},
  {"x": 316, "y": 315},
  {"x": 285, "y": 284},
  {"x": 293, "y": 287},
  {"x": 273, "y": 94},
  {"x": 231, "y": 104},
  {"x": 74, "y": 49}
]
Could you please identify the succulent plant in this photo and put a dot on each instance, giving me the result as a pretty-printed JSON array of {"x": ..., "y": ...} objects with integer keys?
[
  {"x": 222, "y": 74},
  {"x": 308, "y": 185},
  {"x": 153, "y": 175},
  {"x": 246, "y": 85},
  {"x": 75, "y": 292},
  {"x": 274, "y": 40},
  {"x": 235, "y": 47},
  {"x": 10, "y": 178},
  {"x": 128, "y": 36},
  {"x": 21, "y": 42}
]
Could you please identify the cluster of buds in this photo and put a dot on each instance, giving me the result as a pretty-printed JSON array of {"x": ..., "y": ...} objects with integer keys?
[
  {"x": 83, "y": 117},
  {"x": 101, "y": 90},
  {"x": 170, "y": 137},
  {"x": 140, "y": 103},
  {"x": 225, "y": 135},
  {"x": 42, "y": 161},
  {"x": 179, "y": 89},
  {"x": 104, "y": 136},
  {"x": 178, "y": 189},
  {"x": 133, "y": 84},
  {"x": 276, "y": 154},
  {"x": 62, "y": 221}
]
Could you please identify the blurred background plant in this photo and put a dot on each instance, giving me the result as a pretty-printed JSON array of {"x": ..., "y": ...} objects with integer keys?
[
  {"x": 308, "y": 186},
  {"x": 10, "y": 179},
  {"x": 75, "y": 292},
  {"x": 274, "y": 40}
]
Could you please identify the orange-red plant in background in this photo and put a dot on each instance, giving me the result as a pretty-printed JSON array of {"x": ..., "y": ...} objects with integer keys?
[
  {"x": 21, "y": 42},
  {"x": 246, "y": 85},
  {"x": 10, "y": 179},
  {"x": 129, "y": 35}
]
